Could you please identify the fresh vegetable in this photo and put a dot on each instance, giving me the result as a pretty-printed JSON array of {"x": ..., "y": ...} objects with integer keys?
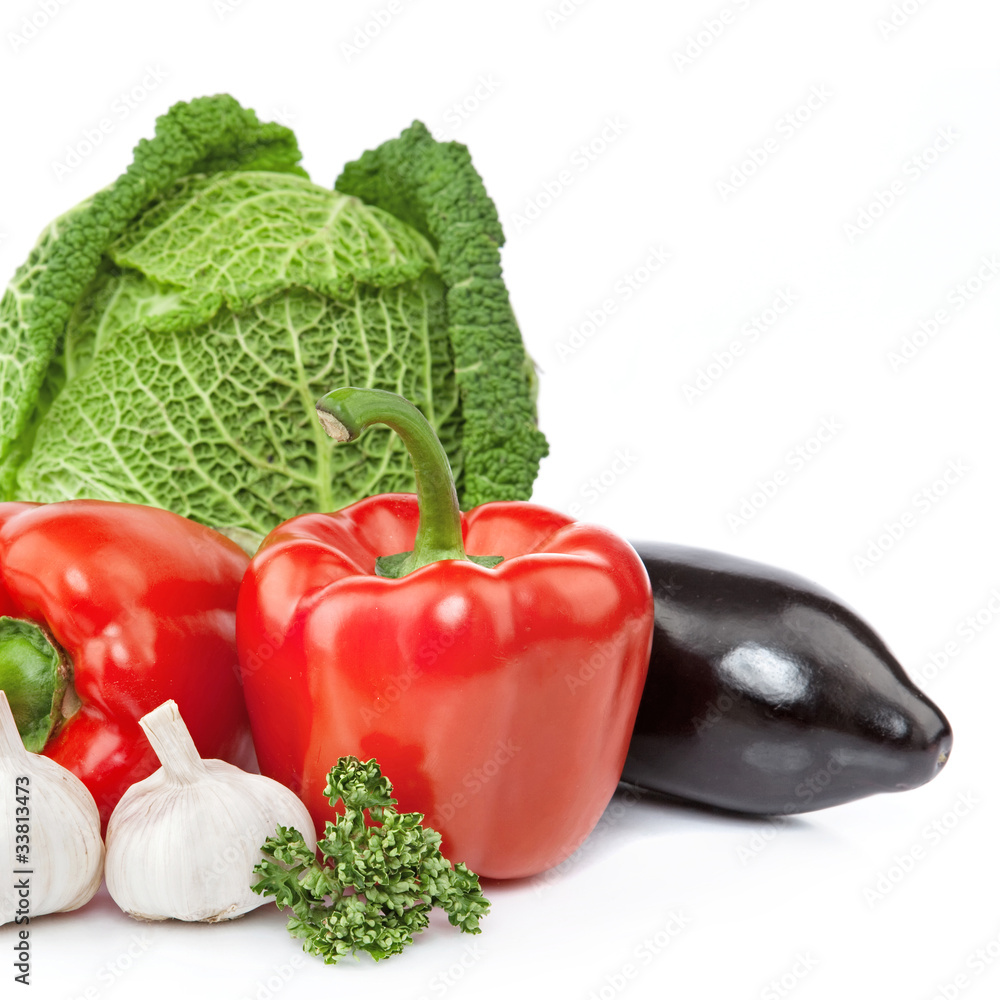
[
  {"x": 50, "y": 833},
  {"x": 767, "y": 695},
  {"x": 182, "y": 843},
  {"x": 109, "y": 609},
  {"x": 500, "y": 695},
  {"x": 166, "y": 339},
  {"x": 377, "y": 884}
]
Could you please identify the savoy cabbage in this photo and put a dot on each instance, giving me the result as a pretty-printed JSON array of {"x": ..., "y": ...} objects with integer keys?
[{"x": 166, "y": 340}]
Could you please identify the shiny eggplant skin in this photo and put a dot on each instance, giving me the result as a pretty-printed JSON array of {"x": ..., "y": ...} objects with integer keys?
[{"x": 766, "y": 695}]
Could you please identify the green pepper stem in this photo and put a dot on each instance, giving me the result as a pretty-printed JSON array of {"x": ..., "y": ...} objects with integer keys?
[
  {"x": 36, "y": 675},
  {"x": 345, "y": 413}
]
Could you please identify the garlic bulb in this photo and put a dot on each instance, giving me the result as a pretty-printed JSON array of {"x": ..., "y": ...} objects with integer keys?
[
  {"x": 182, "y": 843},
  {"x": 50, "y": 832}
]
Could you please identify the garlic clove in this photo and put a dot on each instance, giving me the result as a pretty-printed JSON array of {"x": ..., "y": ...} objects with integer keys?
[
  {"x": 182, "y": 843},
  {"x": 50, "y": 832}
]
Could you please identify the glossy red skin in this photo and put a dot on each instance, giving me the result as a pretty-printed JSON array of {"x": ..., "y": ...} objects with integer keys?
[
  {"x": 499, "y": 702},
  {"x": 143, "y": 602}
]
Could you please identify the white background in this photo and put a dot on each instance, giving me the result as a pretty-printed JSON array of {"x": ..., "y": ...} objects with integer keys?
[{"x": 696, "y": 905}]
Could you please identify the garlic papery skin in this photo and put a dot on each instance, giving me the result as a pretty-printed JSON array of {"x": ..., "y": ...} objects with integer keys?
[
  {"x": 182, "y": 843},
  {"x": 56, "y": 863}
]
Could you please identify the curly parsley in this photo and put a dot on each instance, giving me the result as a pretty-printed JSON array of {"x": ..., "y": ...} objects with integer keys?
[{"x": 377, "y": 884}]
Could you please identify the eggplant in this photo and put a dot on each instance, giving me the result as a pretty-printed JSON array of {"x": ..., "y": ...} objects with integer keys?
[{"x": 766, "y": 695}]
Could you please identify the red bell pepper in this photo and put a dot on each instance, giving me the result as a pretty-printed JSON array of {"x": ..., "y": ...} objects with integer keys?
[
  {"x": 109, "y": 609},
  {"x": 497, "y": 691}
]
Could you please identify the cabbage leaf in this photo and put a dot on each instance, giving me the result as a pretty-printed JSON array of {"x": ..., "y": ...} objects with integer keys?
[{"x": 166, "y": 340}]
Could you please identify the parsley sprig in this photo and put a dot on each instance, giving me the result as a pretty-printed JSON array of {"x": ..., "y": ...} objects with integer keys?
[{"x": 377, "y": 884}]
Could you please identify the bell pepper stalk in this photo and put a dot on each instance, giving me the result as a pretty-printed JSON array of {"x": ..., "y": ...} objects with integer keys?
[
  {"x": 492, "y": 661},
  {"x": 345, "y": 413},
  {"x": 107, "y": 610}
]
